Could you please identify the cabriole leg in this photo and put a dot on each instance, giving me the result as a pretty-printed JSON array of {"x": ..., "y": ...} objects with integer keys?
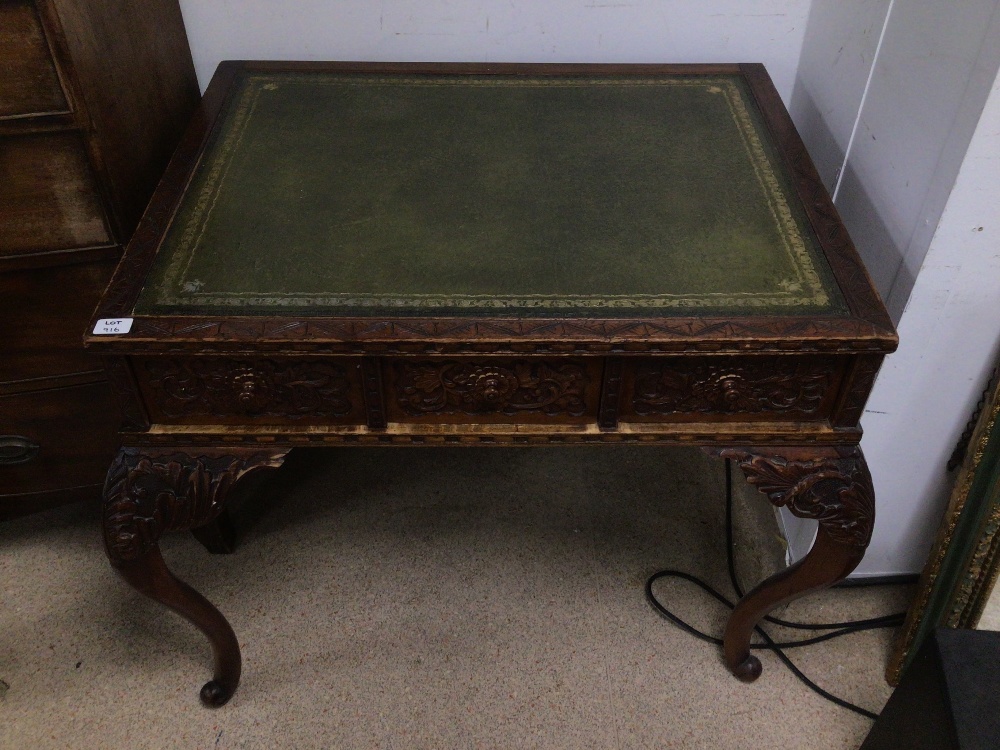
[
  {"x": 148, "y": 493},
  {"x": 830, "y": 485}
]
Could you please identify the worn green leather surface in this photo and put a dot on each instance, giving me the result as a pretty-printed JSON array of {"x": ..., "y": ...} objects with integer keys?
[{"x": 325, "y": 194}]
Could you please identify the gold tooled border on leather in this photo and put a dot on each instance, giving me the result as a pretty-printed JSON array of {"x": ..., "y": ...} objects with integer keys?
[{"x": 806, "y": 289}]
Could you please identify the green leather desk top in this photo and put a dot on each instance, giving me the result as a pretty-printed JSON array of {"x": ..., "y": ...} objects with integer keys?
[{"x": 374, "y": 194}]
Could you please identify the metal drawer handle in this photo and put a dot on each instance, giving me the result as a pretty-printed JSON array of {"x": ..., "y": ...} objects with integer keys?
[{"x": 15, "y": 449}]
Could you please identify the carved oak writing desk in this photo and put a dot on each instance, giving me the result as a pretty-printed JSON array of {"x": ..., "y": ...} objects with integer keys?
[{"x": 377, "y": 254}]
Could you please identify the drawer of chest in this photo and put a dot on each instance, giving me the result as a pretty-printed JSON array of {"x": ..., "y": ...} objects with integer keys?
[
  {"x": 56, "y": 439},
  {"x": 48, "y": 196},
  {"x": 46, "y": 312},
  {"x": 254, "y": 391},
  {"x": 29, "y": 84},
  {"x": 730, "y": 388}
]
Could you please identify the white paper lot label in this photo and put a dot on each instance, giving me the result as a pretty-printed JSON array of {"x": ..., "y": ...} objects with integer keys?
[{"x": 112, "y": 326}]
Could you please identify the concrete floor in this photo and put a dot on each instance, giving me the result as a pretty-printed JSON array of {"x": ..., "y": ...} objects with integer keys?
[{"x": 440, "y": 598}]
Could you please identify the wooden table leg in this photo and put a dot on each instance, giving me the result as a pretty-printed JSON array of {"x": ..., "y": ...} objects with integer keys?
[
  {"x": 147, "y": 493},
  {"x": 831, "y": 485},
  {"x": 149, "y": 575},
  {"x": 218, "y": 536}
]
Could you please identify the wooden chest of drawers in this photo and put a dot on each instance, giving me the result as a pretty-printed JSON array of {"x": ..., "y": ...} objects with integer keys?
[{"x": 93, "y": 97}]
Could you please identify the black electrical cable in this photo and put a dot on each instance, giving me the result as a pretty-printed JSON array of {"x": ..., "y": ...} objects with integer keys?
[{"x": 838, "y": 628}]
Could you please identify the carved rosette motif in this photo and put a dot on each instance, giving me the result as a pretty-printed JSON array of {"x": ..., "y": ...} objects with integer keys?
[
  {"x": 837, "y": 492},
  {"x": 259, "y": 387},
  {"x": 485, "y": 388},
  {"x": 776, "y": 384},
  {"x": 145, "y": 495}
]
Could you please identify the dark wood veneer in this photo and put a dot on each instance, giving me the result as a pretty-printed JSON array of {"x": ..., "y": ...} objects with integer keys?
[
  {"x": 48, "y": 197},
  {"x": 72, "y": 432},
  {"x": 731, "y": 388},
  {"x": 93, "y": 98},
  {"x": 46, "y": 318},
  {"x": 288, "y": 390},
  {"x": 493, "y": 390},
  {"x": 30, "y": 84}
]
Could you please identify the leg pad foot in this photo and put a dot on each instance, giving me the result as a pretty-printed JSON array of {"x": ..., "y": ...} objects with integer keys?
[
  {"x": 215, "y": 694},
  {"x": 747, "y": 670}
]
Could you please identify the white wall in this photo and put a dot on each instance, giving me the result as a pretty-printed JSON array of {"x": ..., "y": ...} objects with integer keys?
[
  {"x": 915, "y": 107},
  {"x": 933, "y": 73},
  {"x": 838, "y": 53},
  {"x": 768, "y": 31},
  {"x": 950, "y": 337}
]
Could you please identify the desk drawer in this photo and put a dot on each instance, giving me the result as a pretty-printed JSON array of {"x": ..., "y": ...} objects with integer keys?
[
  {"x": 255, "y": 391},
  {"x": 493, "y": 390},
  {"x": 727, "y": 388},
  {"x": 489, "y": 390}
]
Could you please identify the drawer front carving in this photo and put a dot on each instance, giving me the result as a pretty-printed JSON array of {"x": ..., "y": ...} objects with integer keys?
[
  {"x": 765, "y": 388},
  {"x": 29, "y": 83},
  {"x": 213, "y": 390},
  {"x": 502, "y": 390},
  {"x": 48, "y": 197}
]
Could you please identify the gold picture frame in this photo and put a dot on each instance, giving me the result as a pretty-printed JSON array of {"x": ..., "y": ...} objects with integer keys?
[{"x": 962, "y": 568}]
